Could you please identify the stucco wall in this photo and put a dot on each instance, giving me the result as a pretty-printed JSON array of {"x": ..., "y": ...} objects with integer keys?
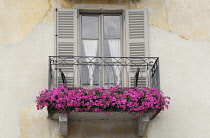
[{"x": 179, "y": 33}]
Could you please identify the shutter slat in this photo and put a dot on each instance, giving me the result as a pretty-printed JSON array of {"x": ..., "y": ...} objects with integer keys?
[{"x": 67, "y": 24}]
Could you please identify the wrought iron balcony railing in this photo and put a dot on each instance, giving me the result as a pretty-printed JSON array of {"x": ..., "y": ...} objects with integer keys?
[{"x": 81, "y": 71}]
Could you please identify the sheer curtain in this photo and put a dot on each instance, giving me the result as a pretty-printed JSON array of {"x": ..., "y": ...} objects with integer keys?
[
  {"x": 114, "y": 46},
  {"x": 90, "y": 47}
]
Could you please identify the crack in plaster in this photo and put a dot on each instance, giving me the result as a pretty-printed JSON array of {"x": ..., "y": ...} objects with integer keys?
[
  {"x": 133, "y": 4},
  {"x": 167, "y": 19},
  {"x": 26, "y": 37},
  {"x": 180, "y": 36},
  {"x": 167, "y": 22},
  {"x": 183, "y": 37},
  {"x": 40, "y": 22},
  {"x": 50, "y": 6}
]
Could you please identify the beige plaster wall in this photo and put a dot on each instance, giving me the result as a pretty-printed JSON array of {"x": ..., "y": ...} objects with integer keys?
[
  {"x": 178, "y": 34},
  {"x": 18, "y": 17},
  {"x": 23, "y": 71},
  {"x": 188, "y": 18},
  {"x": 184, "y": 69}
]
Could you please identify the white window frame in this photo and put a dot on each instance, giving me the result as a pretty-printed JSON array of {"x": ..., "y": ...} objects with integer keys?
[{"x": 101, "y": 38}]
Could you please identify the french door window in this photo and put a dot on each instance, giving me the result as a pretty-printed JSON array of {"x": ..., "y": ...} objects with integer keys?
[{"x": 101, "y": 36}]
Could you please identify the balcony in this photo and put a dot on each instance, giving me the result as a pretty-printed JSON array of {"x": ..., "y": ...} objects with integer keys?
[{"x": 89, "y": 72}]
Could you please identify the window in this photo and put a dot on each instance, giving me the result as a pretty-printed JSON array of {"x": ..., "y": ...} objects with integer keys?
[{"x": 103, "y": 35}]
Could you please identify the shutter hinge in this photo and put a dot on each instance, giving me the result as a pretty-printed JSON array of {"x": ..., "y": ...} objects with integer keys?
[
  {"x": 56, "y": 9},
  {"x": 56, "y": 35},
  {"x": 123, "y": 15}
]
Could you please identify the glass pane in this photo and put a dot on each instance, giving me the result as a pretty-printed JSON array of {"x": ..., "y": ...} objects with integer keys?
[
  {"x": 90, "y": 72},
  {"x": 112, "y": 27},
  {"x": 89, "y": 48},
  {"x": 113, "y": 75},
  {"x": 88, "y": 78},
  {"x": 112, "y": 48},
  {"x": 90, "y": 27}
]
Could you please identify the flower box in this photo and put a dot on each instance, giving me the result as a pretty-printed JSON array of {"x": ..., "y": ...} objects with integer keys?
[
  {"x": 53, "y": 114},
  {"x": 142, "y": 104}
]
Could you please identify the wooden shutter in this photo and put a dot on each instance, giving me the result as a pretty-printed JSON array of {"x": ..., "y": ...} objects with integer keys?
[
  {"x": 137, "y": 43},
  {"x": 66, "y": 42}
]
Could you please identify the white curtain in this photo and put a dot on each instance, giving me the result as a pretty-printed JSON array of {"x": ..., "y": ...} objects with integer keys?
[
  {"x": 114, "y": 46},
  {"x": 90, "y": 47}
]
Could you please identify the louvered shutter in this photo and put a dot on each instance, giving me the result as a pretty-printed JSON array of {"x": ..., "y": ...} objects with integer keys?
[
  {"x": 66, "y": 43},
  {"x": 137, "y": 43}
]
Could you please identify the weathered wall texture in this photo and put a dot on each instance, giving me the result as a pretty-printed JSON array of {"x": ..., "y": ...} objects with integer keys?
[
  {"x": 184, "y": 69},
  {"x": 188, "y": 18},
  {"x": 18, "y": 17},
  {"x": 179, "y": 33},
  {"x": 23, "y": 73}
]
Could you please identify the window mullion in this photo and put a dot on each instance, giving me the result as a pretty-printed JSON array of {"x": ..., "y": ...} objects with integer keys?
[
  {"x": 79, "y": 73},
  {"x": 101, "y": 39},
  {"x": 122, "y": 48}
]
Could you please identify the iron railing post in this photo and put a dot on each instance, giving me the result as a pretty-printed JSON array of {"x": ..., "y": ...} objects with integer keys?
[
  {"x": 49, "y": 74},
  {"x": 158, "y": 71}
]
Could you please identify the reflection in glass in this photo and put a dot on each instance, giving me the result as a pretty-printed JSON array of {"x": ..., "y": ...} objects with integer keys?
[
  {"x": 90, "y": 27},
  {"x": 112, "y": 27}
]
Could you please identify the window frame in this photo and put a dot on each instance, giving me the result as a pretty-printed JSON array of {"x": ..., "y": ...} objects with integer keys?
[
  {"x": 101, "y": 30},
  {"x": 101, "y": 37}
]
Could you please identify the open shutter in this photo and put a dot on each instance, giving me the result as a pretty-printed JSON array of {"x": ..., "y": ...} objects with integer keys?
[
  {"x": 66, "y": 43},
  {"x": 137, "y": 43}
]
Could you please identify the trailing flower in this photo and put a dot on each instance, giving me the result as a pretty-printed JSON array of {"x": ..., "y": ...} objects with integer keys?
[{"x": 142, "y": 100}]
